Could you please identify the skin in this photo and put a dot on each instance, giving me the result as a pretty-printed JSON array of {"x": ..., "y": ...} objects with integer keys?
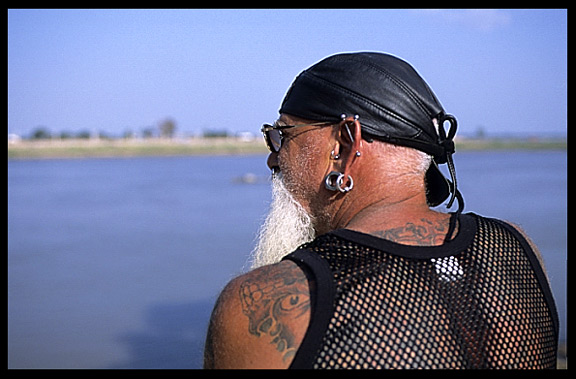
[
  {"x": 259, "y": 320},
  {"x": 261, "y": 317}
]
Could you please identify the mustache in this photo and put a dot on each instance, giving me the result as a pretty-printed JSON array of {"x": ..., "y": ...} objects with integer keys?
[{"x": 286, "y": 227}]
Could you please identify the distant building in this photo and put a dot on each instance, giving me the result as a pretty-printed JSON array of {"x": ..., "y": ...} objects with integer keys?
[
  {"x": 246, "y": 136},
  {"x": 14, "y": 138}
]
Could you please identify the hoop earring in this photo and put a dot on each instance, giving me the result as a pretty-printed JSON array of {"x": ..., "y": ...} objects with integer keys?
[
  {"x": 340, "y": 181},
  {"x": 335, "y": 180}
]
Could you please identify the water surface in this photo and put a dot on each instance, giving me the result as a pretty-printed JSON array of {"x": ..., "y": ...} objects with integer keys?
[{"x": 116, "y": 263}]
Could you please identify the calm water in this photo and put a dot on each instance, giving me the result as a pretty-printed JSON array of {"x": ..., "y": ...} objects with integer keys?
[{"x": 116, "y": 263}]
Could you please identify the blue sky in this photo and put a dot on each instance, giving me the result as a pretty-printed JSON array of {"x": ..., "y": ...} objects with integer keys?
[{"x": 125, "y": 70}]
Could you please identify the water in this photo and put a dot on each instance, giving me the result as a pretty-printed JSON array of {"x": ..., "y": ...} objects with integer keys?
[{"x": 116, "y": 263}]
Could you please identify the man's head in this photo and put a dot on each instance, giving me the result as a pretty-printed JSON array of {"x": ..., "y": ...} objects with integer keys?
[{"x": 354, "y": 127}]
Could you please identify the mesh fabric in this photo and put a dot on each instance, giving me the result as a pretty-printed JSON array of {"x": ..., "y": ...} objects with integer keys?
[{"x": 484, "y": 307}]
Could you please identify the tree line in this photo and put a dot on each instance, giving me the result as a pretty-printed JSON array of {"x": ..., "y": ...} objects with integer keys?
[{"x": 165, "y": 129}]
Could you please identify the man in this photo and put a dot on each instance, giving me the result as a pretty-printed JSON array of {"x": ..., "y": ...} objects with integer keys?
[{"x": 353, "y": 268}]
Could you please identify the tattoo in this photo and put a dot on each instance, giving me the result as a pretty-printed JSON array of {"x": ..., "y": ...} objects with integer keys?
[
  {"x": 272, "y": 301},
  {"x": 426, "y": 233}
]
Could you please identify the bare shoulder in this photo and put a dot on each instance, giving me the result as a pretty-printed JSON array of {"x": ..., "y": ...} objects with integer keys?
[{"x": 259, "y": 319}]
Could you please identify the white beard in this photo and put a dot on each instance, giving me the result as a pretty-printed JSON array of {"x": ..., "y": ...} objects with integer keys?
[{"x": 286, "y": 227}]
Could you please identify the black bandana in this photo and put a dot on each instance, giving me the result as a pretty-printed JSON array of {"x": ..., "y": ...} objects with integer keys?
[{"x": 394, "y": 103}]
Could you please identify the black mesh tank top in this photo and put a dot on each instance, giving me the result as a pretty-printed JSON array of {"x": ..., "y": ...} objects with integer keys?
[{"x": 480, "y": 300}]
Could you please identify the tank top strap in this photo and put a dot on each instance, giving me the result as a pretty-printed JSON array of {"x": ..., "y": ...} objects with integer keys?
[{"x": 322, "y": 293}]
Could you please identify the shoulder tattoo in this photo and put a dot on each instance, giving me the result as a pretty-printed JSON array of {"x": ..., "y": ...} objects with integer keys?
[{"x": 272, "y": 300}]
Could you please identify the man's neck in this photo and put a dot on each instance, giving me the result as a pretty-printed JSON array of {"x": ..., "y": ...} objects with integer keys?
[{"x": 408, "y": 221}]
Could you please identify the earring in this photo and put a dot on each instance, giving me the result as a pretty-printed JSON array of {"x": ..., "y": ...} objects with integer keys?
[
  {"x": 335, "y": 180},
  {"x": 340, "y": 181},
  {"x": 334, "y": 157},
  {"x": 331, "y": 179}
]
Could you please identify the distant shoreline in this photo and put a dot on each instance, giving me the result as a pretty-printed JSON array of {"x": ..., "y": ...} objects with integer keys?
[{"x": 109, "y": 148}]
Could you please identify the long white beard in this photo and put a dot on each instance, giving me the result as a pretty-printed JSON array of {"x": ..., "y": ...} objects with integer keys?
[{"x": 286, "y": 227}]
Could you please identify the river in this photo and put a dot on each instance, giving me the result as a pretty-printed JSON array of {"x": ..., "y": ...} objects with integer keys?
[{"x": 116, "y": 263}]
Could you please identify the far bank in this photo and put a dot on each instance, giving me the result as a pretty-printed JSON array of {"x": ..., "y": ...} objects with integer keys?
[{"x": 100, "y": 148}]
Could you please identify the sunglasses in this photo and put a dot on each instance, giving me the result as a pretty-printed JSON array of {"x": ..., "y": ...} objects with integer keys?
[{"x": 273, "y": 134}]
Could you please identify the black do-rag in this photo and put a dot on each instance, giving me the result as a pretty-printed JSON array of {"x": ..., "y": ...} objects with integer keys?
[{"x": 393, "y": 102}]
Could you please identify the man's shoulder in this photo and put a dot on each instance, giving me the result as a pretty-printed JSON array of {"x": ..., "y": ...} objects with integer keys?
[
  {"x": 520, "y": 232},
  {"x": 247, "y": 289},
  {"x": 260, "y": 318},
  {"x": 511, "y": 226}
]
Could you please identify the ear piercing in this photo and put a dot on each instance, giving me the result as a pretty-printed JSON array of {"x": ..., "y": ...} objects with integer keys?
[
  {"x": 335, "y": 156},
  {"x": 343, "y": 116},
  {"x": 334, "y": 181}
]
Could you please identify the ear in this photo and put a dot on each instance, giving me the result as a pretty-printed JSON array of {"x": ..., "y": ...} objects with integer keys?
[{"x": 350, "y": 141}]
